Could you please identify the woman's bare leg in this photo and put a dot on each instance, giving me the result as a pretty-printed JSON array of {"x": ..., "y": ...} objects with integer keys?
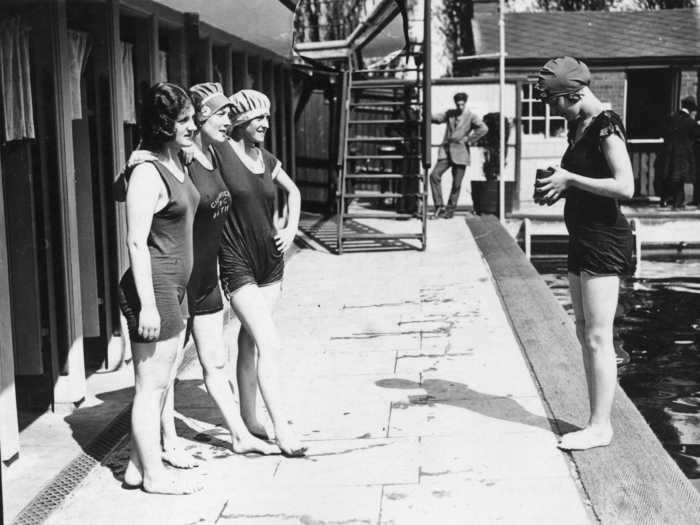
[
  {"x": 253, "y": 310},
  {"x": 207, "y": 331},
  {"x": 577, "y": 303},
  {"x": 174, "y": 452},
  {"x": 247, "y": 379},
  {"x": 153, "y": 363},
  {"x": 599, "y": 297}
]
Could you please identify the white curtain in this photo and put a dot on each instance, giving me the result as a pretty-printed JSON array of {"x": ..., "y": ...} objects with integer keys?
[
  {"x": 162, "y": 66},
  {"x": 80, "y": 47},
  {"x": 128, "y": 90},
  {"x": 15, "y": 80}
]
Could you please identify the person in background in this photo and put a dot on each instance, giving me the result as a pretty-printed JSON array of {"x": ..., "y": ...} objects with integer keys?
[
  {"x": 678, "y": 164},
  {"x": 462, "y": 130},
  {"x": 596, "y": 173}
]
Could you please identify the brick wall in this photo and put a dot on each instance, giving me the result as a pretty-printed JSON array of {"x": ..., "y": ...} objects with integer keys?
[
  {"x": 689, "y": 83},
  {"x": 609, "y": 87}
]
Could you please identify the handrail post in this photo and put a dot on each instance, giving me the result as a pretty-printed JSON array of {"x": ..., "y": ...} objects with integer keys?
[
  {"x": 342, "y": 160},
  {"x": 527, "y": 237},
  {"x": 427, "y": 112},
  {"x": 635, "y": 225}
]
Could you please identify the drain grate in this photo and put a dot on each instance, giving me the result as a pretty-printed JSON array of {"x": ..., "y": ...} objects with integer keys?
[{"x": 53, "y": 495}]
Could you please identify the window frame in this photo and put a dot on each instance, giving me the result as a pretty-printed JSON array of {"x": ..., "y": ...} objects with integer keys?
[{"x": 527, "y": 116}]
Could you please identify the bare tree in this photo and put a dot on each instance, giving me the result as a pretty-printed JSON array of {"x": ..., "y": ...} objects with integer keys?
[{"x": 322, "y": 20}]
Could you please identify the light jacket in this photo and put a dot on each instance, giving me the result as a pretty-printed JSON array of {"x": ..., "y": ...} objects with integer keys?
[{"x": 461, "y": 131}]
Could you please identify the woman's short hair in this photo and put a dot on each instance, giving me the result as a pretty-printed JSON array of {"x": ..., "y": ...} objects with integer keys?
[
  {"x": 461, "y": 96},
  {"x": 162, "y": 105}
]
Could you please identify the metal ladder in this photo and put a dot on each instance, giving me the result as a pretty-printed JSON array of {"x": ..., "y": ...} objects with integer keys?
[{"x": 383, "y": 147}]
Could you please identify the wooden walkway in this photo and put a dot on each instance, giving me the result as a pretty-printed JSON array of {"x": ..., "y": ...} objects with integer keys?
[{"x": 633, "y": 481}]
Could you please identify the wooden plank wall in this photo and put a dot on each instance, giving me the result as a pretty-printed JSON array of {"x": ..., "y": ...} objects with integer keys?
[
  {"x": 313, "y": 161},
  {"x": 633, "y": 481}
]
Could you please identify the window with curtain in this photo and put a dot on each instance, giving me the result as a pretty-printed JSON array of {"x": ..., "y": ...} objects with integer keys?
[
  {"x": 128, "y": 90},
  {"x": 80, "y": 47},
  {"x": 15, "y": 80},
  {"x": 162, "y": 66}
]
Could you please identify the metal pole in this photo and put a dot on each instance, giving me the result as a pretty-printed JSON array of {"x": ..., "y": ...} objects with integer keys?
[{"x": 501, "y": 124}]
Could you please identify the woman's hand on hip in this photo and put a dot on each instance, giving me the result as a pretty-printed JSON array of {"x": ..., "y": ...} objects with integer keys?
[
  {"x": 149, "y": 323},
  {"x": 284, "y": 239}
]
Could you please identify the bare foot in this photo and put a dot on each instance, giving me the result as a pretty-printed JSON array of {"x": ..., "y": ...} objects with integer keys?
[
  {"x": 289, "y": 442},
  {"x": 589, "y": 437},
  {"x": 133, "y": 477},
  {"x": 249, "y": 443},
  {"x": 170, "y": 484},
  {"x": 178, "y": 457}
]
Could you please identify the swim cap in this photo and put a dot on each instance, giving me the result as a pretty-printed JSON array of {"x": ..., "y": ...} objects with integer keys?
[
  {"x": 248, "y": 104},
  {"x": 561, "y": 76},
  {"x": 207, "y": 98}
]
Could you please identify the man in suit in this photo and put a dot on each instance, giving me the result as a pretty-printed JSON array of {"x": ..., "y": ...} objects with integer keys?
[
  {"x": 678, "y": 165},
  {"x": 463, "y": 128}
]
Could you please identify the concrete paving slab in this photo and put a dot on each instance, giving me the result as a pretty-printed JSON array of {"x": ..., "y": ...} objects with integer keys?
[
  {"x": 456, "y": 500},
  {"x": 356, "y": 462},
  {"x": 303, "y": 505},
  {"x": 468, "y": 412},
  {"x": 500, "y": 457},
  {"x": 473, "y": 370}
]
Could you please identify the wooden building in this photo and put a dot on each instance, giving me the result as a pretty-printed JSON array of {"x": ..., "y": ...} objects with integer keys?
[
  {"x": 73, "y": 73},
  {"x": 642, "y": 63}
]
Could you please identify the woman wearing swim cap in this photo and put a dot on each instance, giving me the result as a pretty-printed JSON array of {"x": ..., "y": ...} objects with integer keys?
[
  {"x": 251, "y": 260},
  {"x": 595, "y": 172}
]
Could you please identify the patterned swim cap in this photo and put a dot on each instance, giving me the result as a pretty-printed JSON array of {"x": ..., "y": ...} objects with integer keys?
[
  {"x": 208, "y": 98},
  {"x": 561, "y": 76},
  {"x": 248, "y": 104}
]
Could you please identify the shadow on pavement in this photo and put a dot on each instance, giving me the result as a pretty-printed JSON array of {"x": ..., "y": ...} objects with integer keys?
[
  {"x": 109, "y": 421},
  {"x": 324, "y": 231},
  {"x": 451, "y": 393}
]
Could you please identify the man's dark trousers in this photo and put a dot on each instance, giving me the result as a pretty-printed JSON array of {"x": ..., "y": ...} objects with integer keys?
[{"x": 436, "y": 178}]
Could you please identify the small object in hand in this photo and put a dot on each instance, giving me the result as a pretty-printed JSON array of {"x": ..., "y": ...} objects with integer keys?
[{"x": 539, "y": 196}]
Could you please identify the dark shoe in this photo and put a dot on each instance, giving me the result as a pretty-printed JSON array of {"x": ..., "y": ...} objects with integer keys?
[
  {"x": 438, "y": 213},
  {"x": 448, "y": 214}
]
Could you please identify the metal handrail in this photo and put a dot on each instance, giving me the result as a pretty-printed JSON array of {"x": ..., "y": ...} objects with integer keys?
[{"x": 342, "y": 160}]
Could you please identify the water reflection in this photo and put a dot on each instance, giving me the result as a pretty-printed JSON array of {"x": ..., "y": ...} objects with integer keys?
[{"x": 657, "y": 343}]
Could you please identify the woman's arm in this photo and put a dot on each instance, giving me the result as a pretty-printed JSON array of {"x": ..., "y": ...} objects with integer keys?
[
  {"x": 285, "y": 236},
  {"x": 620, "y": 186},
  {"x": 146, "y": 195}
]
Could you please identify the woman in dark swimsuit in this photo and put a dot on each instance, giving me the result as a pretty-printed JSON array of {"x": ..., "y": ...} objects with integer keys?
[
  {"x": 251, "y": 260},
  {"x": 595, "y": 172},
  {"x": 160, "y": 206},
  {"x": 212, "y": 110}
]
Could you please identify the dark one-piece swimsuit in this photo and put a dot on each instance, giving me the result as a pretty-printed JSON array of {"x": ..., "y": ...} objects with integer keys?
[
  {"x": 248, "y": 253},
  {"x": 203, "y": 289},
  {"x": 600, "y": 238},
  {"x": 170, "y": 247}
]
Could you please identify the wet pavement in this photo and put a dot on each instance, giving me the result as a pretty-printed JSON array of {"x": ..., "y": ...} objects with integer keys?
[{"x": 405, "y": 380}]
